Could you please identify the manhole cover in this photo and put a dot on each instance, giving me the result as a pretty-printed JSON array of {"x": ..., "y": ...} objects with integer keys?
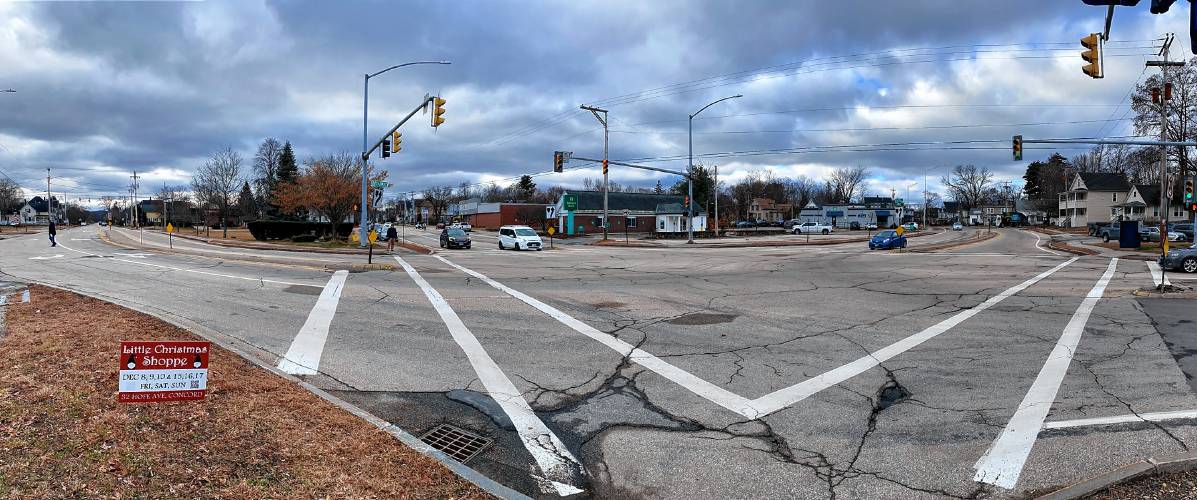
[
  {"x": 458, "y": 443},
  {"x": 693, "y": 319}
]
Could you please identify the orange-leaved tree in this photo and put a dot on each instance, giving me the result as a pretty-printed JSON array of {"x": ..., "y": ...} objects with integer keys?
[{"x": 329, "y": 185}]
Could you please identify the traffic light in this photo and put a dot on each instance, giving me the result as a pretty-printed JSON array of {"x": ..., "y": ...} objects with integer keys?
[
  {"x": 558, "y": 161},
  {"x": 1092, "y": 55},
  {"x": 438, "y": 109},
  {"x": 1017, "y": 148},
  {"x": 396, "y": 142},
  {"x": 1189, "y": 189},
  {"x": 386, "y": 147}
]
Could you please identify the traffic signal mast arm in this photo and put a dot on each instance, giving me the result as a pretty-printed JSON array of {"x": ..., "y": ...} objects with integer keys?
[
  {"x": 629, "y": 165},
  {"x": 385, "y": 137},
  {"x": 1109, "y": 141}
]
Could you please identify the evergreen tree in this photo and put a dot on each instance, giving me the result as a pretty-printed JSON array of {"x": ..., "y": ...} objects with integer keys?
[
  {"x": 288, "y": 170},
  {"x": 245, "y": 203},
  {"x": 526, "y": 187},
  {"x": 659, "y": 189}
]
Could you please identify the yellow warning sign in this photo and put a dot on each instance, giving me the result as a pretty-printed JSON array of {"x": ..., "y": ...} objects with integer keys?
[
  {"x": 552, "y": 230},
  {"x": 900, "y": 230},
  {"x": 372, "y": 235},
  {"x": 170, "y": 228}
]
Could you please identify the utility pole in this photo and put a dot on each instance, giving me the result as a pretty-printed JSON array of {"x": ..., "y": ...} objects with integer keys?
[
  {"x": 1165, "y": 95},
  {"x": 926, "y": 199},
  {"x": 603, "y": 120},
  {"x": 133, "y": 207},
  {"x": 716, "y": 189},
  {"x": 49, "y": 207}
]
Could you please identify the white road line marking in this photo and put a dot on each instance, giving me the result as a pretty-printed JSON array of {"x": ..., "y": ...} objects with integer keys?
[
  {"x": 774, "y": 401},
  {"x": 1157, "y": 274},
  {"x": 707, "y": 390},
  {"x": 196, "y": 271},
  {"x": 795, "y": 393},
  {"x": 303, "y": 358},
  {"x": 46, "y": 257},
  {"x": 1038, "y": 239},
  {"x": 554, "y": 458},
  {"x": 1003, "y": 462},
  {"x": 1122, "y": 419}
]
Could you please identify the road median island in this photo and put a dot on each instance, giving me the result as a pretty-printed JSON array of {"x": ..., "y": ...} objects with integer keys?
[
  {"x": 255, "y": 435},
  {"x": 976, "y": 237},
  {"x": 121, "y": 240}
]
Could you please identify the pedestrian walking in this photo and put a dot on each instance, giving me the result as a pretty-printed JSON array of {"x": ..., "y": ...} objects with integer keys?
[
  {"x": 53, "y": 232},
  {"x": 392, "y": 235}
]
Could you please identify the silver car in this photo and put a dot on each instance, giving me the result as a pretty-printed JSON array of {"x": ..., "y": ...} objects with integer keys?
[{"x": 1184, "y": 259}]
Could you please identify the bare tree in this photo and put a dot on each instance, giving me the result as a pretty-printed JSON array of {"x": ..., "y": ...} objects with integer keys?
[
  {"x": 967, "y": 184},
  {"x": 176, "y": 203},
  {"x": 11, "y": 196},
  {"x": 219, "y": 181},
  {"x": 266, "y": 167},
  {"x": 438, "y": 197},
  {"x": 848, "y": 182}
]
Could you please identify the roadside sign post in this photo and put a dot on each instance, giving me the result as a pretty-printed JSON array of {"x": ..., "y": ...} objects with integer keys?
[
  {"x": 569, "y": 204},
  {"x": 157, "y": 371},
  {"x": 170, "y": 234},
  {"x": 372, "y": 236}
]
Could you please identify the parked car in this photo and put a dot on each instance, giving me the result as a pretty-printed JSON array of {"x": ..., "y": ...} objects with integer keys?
[
  {"x": 886, "y": 240},
  {"x": 1096, "y": 227},
  {"x": 812, "y": 227},
  {"x": 911, "y": 227},
  {"x": 1149, "y": 233},
  {"x": 1175, "y": 236},
  {"x": 957, "y": 227},
  {"x": 464, "y": 226},
  {"x": 519, "y": 238},
  {"x": 872, "y": 226},
  {"x": 440, "y": 225},
  {"x": 1184, "y": 259},
  {"x": 455, "y": 237},
  {"x": 744, "y": 223},
  {"x": 1185, "y": 229},
  {"x": 855, "y": 226},
  {"x": 1109, "y": 231}
]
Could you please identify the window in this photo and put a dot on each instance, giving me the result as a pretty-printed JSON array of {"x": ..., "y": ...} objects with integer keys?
[
  {"x": 1155, "y": 211},
  {"x": 1063, "y": 213},
  {"x": 631, "y": 221},
  {"x": 1115, "y": 197},
  {"x": 598, "y": 221},
  {"x": 1113, "y": 211},
  {"x": 661, "y": 224}
]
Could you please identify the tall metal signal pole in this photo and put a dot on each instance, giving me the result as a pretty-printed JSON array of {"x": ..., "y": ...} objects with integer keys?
[
  {"x": 133, "y": 207},
  {"x": 49, "y": 207},
  {"x": 603, "y": 120}
]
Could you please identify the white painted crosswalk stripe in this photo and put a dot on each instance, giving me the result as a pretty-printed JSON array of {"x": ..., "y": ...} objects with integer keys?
[
  {"x": 303, "y": 358},
  {"x": 1003, "y": 463},
  {"x": 552, "y": 456}
]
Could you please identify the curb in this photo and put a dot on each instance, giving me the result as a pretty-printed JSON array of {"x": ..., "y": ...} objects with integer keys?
[
  {"x": 465, "y": 472},
  {"x": 1151, "y": 466},
  {"x": 322, "y": 266},
  {"x": 955, "y": 243},
  {"x": 271, "y": 246}
]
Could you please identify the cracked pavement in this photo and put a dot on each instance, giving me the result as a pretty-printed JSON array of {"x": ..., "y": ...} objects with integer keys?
[{"x": 749, "y": 320}]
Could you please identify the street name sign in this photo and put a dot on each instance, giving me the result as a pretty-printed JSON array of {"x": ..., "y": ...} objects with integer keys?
[{"x": 159, "y": 371}]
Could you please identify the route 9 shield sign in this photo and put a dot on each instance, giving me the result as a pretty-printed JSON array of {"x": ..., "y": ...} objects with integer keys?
[{"x": 152, "y": 372}]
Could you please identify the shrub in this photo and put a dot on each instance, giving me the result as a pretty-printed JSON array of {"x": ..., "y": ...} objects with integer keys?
[
  {"x": 263, "y": 230},
  {"x": 303, "y": 238}
]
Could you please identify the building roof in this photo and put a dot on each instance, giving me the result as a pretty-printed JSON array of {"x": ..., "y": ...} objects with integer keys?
[
  {"x": 677, "y": 208},
  {"x": 1104, "y": 181},
  {"x": 617, "y": 202},
  {"x": 39, "y": 204},
  {"x": 1149, "y": 192},
  {"x": 951, "y": 206},
  {"x": 878, "y": 200}
]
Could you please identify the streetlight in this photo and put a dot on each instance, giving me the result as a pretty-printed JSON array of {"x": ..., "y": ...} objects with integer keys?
[
  {"x": 690, "y": 181},
  {"x": 365, "y": 107}
]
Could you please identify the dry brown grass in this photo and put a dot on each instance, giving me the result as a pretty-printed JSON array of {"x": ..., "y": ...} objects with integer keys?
[{"x": 62, "y": 433}]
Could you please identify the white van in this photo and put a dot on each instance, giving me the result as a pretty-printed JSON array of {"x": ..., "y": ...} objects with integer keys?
[{"x": 519, "y": 238}]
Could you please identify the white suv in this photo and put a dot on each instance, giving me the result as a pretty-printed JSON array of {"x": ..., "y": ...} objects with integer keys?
[{"x": 519, "y": 238}]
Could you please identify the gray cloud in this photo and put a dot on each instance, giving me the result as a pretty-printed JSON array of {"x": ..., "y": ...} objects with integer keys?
[{"x": 106, "y": 88}]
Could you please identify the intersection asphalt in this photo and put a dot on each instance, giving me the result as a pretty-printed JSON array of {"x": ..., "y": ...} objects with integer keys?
[{"x": 998, "y": 369}]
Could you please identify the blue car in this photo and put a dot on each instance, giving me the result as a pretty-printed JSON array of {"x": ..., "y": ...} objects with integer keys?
[{"x": 886, "y": 240}]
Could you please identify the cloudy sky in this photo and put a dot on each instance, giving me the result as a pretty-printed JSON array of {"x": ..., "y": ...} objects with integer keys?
[{"x": 106, "y": 88}]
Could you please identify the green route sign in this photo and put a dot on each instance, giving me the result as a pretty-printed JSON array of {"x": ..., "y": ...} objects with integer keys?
[
  {"x": 899, "y": 202},
  {"x": 570, "y": 203}
]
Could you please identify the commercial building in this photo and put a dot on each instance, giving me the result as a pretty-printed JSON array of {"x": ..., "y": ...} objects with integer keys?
[{"x": 633, "y": 212}]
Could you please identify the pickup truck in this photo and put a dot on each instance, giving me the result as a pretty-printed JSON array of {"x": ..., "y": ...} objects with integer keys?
[
  {"x": 1111, "y": 231},
  {"x": 811, "y": 227}
]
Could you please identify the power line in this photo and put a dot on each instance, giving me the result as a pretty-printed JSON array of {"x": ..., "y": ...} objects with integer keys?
[{"x": 863, "y": 129}]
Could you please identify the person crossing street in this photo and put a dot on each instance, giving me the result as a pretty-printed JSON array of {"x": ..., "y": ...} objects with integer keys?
[
  {"x": 392, "y": 235},
  {"x": 53, "y": 233}
]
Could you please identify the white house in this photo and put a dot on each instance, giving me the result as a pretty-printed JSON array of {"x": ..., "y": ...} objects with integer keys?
[
  {"x": 671, "y": 218},
  {"x": 35, "y": 211}
]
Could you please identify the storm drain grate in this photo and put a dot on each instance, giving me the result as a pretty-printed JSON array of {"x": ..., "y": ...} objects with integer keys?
[{"x": 458, "y": 443}]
